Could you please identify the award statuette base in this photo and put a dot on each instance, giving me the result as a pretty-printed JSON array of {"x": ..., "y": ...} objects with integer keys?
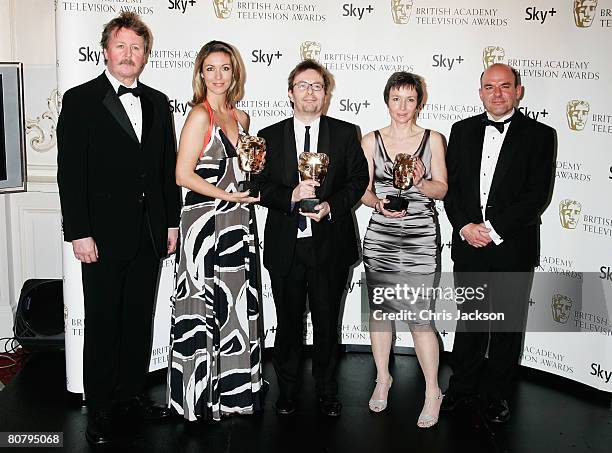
[
  {"x": 396, "y": 203},
  {"x": 308, "y": 204},
  {"x": 243, "y": 186}
]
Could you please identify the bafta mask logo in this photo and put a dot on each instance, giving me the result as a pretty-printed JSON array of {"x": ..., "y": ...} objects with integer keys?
[
  {"x": 401, "y": 10},
  {"x": 310, "y": 50},
  {"x": 569, "y": 213},
  {"x": 577, "y": 114},
  {"x": 561, "y": 308},
  {"x": 492, "y": 55},
  {"x": 223, "y": 8},
  {"x": 584, "y": 12}
]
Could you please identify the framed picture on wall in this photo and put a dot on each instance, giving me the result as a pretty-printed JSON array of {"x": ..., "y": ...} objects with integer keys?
[{"x": 12, "y": 132}]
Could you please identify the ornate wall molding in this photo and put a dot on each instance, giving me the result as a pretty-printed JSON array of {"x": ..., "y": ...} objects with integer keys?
[{"x": 43, "y": 128}]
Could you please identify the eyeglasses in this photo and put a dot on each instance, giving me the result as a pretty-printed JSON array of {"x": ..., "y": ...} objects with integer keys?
[{"x": 303, "y": 86}]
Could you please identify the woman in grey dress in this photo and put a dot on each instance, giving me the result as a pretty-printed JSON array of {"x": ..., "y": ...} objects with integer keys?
[{"x": 401, "y": 247}]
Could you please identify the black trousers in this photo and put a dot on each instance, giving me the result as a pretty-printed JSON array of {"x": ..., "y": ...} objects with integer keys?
[
  {"x": 324, "y": 288},
  {"x": 486, "y": 354},
  {"x": 119, "y": 305}
]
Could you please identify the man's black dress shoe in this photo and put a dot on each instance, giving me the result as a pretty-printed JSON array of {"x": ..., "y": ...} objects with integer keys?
[
  {"x": 151, "y": 411},
  {"x": 452, "y": 400},
  {"x": 99, "y": 429},
  {"x": 285, "y": 407},
  {"x": 330, "y": 406},
  {"x": 137, "y": 410},
  {"x": 498, "y": 411}
]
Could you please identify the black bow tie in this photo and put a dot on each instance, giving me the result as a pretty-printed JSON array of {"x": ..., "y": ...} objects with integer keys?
[
  {"x": 136, "y": 91},
  {"x": 499, "y": 125}
]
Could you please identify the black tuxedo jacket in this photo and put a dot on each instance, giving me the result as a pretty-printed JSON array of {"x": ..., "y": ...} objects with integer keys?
[
  {"x": 335, "y": 239},
  {"x": 103, "y": 170},
  {"x": 520, "y": 190}
]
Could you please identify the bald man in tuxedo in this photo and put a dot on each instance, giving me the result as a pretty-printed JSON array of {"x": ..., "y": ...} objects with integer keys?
[{"x": 500, "y": 176}]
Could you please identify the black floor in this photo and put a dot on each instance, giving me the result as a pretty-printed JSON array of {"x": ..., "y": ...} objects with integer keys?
[{"x": 550, "y": 414}]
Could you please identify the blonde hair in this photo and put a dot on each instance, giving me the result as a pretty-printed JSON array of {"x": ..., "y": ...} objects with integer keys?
[{"x": 236, "y": 89}]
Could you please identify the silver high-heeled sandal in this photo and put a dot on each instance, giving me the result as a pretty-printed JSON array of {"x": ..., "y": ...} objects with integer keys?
[
  {"x": 380, "y": 405},
  {"x": 429, "y": 420}
]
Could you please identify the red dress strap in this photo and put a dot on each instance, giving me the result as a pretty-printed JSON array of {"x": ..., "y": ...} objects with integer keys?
[
  {"x": 235, "y": 115},
  {"x": 211, "y": 126}
]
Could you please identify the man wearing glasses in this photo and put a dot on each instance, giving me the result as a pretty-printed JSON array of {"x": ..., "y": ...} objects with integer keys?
[{"x": 308, "y": 255}]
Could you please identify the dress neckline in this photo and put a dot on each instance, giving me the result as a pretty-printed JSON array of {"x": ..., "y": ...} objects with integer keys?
[
  {"x": 211, "y": 112},
  {"x": 415, "y": 153}
]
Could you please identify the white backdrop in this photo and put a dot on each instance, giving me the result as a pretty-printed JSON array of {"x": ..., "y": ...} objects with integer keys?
[{"x": 562, "y": 55}]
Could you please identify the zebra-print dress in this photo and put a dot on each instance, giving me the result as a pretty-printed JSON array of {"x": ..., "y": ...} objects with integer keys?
[{"x": 215, "y": 353}]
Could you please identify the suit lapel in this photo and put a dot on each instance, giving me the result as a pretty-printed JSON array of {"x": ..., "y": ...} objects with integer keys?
[
  {"x": 291, "y": 164},
  {"x": 475, "y": 144},
  {"x": 147, "y": 116},
  {"x": 507, "y": 151},
  {"x": 323, "y": 146},
  {"x": 115, "y": 107},
  {"x": 323, "y": 140}
]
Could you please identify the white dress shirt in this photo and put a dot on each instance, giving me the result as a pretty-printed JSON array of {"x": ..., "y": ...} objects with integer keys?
[
  {"x": 491, "y": 148},
  {"x": 131, "y": 104},
  {"x": 132, "y": 107},
  {"x": 300, "y": 131}
]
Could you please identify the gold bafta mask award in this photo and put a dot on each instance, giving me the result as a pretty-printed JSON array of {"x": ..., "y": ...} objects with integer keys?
[
  {"x": 251, "y": 151},
  {"x": 312, "y": 166},
  {"x": 403, "y": 169}
]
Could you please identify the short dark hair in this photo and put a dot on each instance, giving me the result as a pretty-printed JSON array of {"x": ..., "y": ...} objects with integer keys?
[
  {"x": 307, "y": 64},
  {"x": 517, "y": 75},
  {"x": 130, "y": 21},
  {"x": 405, "y": 79}
]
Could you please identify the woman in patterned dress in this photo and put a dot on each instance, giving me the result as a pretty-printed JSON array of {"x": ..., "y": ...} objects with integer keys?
[
  {"x": 401, "y": 248},
  {"x": 215, "y": 353}
]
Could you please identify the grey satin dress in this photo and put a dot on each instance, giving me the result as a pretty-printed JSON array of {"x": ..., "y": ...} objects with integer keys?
[{"x": 401, "y": 251}]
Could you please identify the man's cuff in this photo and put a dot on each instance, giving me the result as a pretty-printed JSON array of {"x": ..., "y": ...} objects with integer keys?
[
  {"x": 496, "y": 238},
  {"x": 461, "y": 233}
]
